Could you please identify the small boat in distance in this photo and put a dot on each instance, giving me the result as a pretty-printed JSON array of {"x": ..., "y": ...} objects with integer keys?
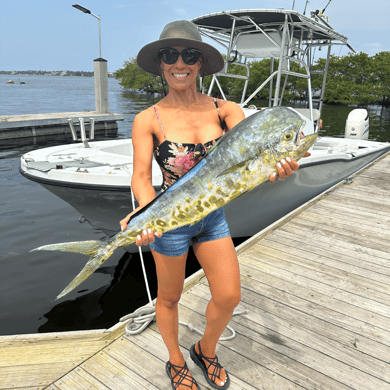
[{"x": 94, "y": 177}]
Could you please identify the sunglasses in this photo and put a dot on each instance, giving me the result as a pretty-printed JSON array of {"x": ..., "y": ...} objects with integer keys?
[{"x": 189, "y": 56}]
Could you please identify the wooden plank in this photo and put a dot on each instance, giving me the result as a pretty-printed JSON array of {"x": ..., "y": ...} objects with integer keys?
[
  {"x": 114, "y": 374},
  {"x": 32, "y": 388},
  {"x": 358, "y": 230},
  {"x": 310, "y": 322},
  {"x": 134, "y": 357},
  {"x": 296, "y": 244},
  {"x": 350, "y": 225},
  {"x": 313, "y": 303},
  {"x": 53, "y": 336},
  {"x": 296, "y": 330},
  {"x": 365, "y": 204},
  {"x": 49, "y": 352},
  {"x": 139, "y": 360},
  {"x": 359, "y": 191},
  {"x": 328, "y": 206},
  {"x": 28, "y": 120},
  {"x": 152, "y": 342},
  {"x": 40, "y": 359},
  {"x": 337, "y": 243},
  {"x": 83, "y": 379},
  {"x": 345, "y": 293},
  {"x": 353, "y": 207},
  {"x": 320, "y": 354},
  {"x": 370, "y": 179},
  {"x": 290, "y": 281},
  {"x": 325, "y": 270},
  {"x": 358, "y": 223},
  {"x": 338, "y": 233},
  {"x": 251, "y": 347},
  {"x": 32, "y": 375}
]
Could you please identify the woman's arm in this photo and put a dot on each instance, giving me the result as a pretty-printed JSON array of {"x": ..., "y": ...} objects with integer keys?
[
  {"x": 141, "y": 182},
  {"x": 142, "y": 137}
]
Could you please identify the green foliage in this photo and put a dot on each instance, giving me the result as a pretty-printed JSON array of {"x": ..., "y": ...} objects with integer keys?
[
  {"x": 381, "y": 72},
  {"x": 131, "y": 76},
  {"x": 352, "y": 79}
]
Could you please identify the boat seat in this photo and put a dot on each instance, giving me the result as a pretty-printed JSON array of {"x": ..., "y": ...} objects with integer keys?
[
  {"x": 257, "y": 45},
  {"x": 306, "y": 112}
]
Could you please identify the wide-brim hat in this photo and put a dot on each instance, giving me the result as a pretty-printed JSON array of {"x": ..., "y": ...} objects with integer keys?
[{"x": 180, "y": 33}]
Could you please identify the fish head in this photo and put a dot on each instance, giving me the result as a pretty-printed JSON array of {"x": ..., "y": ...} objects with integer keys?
[
  {"x": 265, "y": 138},
  {"x": 287, "y": 140}
]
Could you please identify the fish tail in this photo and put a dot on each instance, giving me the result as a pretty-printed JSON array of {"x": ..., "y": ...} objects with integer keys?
[
  {"x": 99, "y": 251},
  {"x": 99, "y": 256},
  {"x": 86, "y": 247}
]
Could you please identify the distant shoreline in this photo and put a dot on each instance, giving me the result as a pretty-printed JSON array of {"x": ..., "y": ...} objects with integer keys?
[{"x": 78, "y": 73}]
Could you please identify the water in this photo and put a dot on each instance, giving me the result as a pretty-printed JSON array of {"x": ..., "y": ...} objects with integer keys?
[{"x": 30, "y": 216}]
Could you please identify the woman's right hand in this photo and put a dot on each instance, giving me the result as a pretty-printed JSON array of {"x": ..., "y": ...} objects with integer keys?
[{"x": 147, "y": 237}]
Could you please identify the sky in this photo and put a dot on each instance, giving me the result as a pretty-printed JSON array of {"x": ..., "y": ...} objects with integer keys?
[{"x": 52, "y": 35}]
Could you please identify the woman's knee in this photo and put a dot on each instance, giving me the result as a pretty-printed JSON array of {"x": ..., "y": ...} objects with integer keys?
[
  {"x": 169, "y": 301},
  {"x": 228, "y": 299}
]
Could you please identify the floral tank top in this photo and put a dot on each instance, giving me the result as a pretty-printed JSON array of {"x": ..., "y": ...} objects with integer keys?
[{"x": 175, "y": 159}]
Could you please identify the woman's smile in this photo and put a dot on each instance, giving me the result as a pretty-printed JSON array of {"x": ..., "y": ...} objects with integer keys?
[{"x": 180, "y": 76}]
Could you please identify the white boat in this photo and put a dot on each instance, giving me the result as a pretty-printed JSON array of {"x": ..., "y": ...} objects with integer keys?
[{"x": 94, "y": 177}]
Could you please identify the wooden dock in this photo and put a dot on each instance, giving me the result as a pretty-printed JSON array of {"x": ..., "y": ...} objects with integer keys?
[
  {"x": 316, "y": 285},
  {"x": 19, "y": 127}
]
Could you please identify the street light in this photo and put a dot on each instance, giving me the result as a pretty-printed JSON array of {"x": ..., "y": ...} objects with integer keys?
[
  {"x": 87, "y": 11},
  {"x": 99, "y": 72}
]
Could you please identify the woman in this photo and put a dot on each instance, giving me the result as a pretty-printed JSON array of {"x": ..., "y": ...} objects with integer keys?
[{"x": 177, "y": 131}]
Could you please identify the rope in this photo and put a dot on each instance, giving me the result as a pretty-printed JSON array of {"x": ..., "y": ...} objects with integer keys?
[{"x": 144, "y": 315}]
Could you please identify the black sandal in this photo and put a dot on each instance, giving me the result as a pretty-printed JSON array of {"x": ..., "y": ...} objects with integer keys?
[
  {"x": 182, "y": 372},
  {"x": 198, "y": 359}
]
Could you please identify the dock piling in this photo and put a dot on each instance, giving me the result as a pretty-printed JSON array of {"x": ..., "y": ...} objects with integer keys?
[{"x": 101, "y": 86}]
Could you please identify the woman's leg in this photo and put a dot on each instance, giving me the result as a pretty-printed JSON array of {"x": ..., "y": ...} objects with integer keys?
[
  {"x": 219, "y": 261},
  {"x": 170, "y": 277}
]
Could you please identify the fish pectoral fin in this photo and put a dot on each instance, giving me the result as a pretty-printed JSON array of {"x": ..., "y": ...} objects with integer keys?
[{"x": 235, "y": 168}]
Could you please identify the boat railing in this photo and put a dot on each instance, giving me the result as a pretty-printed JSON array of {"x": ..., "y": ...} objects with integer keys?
[
  {"x": 225, "y": 73},
  {"x": 283, "y": 34}
]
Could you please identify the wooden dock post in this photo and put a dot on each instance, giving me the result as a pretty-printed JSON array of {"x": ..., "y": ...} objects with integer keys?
[{"x": 101, "y": 86}]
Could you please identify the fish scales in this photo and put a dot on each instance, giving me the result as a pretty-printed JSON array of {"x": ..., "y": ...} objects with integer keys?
[{"x": 241, "y": 160}]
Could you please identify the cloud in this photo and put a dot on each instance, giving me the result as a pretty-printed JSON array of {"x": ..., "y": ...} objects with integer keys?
[{"x": 180, "y": 11}]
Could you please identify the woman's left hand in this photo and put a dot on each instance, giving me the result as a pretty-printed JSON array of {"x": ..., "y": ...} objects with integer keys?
[{"x": 286, "y": 167}]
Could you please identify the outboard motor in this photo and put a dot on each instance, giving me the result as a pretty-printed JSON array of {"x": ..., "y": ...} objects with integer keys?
[{"x": 357, "y": 124}]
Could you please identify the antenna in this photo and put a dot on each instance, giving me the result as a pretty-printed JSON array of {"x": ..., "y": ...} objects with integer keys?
[
  {"x": 326, "y": 6},
  {"x": 304, "y": 12},
  {"x": 293, "y": 4}
]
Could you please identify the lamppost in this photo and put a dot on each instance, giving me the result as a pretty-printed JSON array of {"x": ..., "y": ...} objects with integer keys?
[
  {"x": 87, "y": 11},
  {"x": 100, "y": 72}
]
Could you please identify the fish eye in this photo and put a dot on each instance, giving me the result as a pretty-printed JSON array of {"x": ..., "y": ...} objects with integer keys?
[{"x": 288, "y": 136}]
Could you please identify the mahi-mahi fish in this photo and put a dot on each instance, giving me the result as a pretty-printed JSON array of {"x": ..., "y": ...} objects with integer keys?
[{"x": 242, "y": 159}]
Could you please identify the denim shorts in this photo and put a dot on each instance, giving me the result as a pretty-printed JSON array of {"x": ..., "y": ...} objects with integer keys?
[{"x": 177, "y": 242}]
